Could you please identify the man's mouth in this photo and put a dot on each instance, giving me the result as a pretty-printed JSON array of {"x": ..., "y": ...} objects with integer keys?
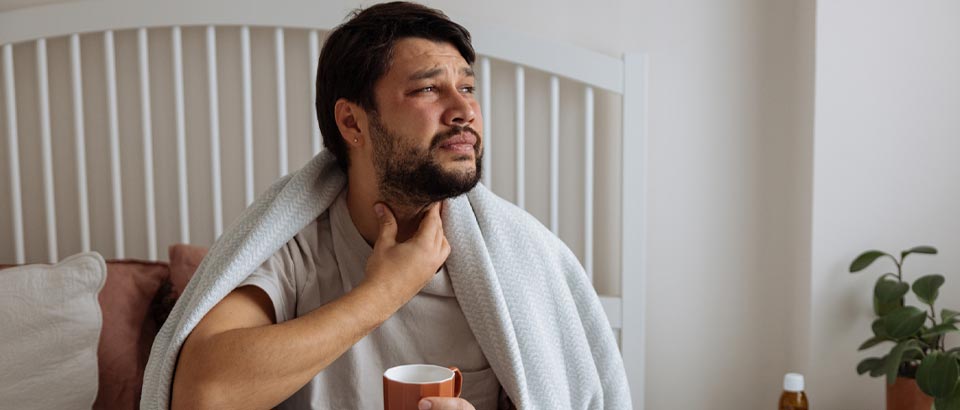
[{"x": 460, "y": 143}]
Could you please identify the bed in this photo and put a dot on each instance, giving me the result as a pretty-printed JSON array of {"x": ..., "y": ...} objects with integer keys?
[{"x": 135, "y": 132}]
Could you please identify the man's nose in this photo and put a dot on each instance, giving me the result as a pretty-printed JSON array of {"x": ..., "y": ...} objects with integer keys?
[{"x": 459, "y": 110}]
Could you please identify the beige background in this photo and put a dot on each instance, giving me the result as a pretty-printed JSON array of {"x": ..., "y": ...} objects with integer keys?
[{"x": 785, "y": 137}]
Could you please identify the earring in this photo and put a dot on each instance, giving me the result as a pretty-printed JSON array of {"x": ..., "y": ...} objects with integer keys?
[{"x": 356, "y": 140}]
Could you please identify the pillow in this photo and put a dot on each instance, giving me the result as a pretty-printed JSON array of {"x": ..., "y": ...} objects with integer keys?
[
  {"x": 129, "y": 301},
  {"x": 51, "y": 325},
  {"x": 184, "y": 260}
]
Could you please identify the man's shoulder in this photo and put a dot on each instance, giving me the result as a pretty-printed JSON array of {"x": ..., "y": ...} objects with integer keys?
[{"x": 307, "y": 242}]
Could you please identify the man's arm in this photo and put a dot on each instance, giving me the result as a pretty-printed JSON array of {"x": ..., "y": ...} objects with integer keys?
[{"x": 237, "y": 358}]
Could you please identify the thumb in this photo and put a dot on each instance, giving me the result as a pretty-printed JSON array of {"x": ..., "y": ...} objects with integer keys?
[
  {"x": 388, "y": 224},
  {"x": 444, "y": 403}
]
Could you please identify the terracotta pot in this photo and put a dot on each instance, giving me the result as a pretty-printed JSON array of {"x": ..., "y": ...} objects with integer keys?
[{"x": 904, "y": 394}]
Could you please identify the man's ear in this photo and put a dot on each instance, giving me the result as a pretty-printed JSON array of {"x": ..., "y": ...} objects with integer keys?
[{"x": 351, "y": 121}]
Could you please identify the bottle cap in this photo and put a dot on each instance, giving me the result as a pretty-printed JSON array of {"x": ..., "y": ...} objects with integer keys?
[{"x": 793, "y": 382}]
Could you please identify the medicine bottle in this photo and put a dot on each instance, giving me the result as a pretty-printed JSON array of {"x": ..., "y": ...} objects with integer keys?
[{"x": 793, "y": 397}]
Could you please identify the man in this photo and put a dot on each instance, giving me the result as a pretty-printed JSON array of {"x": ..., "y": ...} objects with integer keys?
[{"x": 363, "y": 287}]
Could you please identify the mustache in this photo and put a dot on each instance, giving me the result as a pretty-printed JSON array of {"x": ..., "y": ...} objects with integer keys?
[{"x": 452, "y": 132}]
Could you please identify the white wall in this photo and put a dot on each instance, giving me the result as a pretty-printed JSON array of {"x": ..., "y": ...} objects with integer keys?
[
  {"x": 729, "y": 168},
  {"x": 728, "y": 150},
  {"x": 886, "y": 174}
]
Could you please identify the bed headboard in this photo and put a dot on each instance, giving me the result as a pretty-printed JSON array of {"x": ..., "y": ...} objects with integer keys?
[{"x": 130, "y": 126}]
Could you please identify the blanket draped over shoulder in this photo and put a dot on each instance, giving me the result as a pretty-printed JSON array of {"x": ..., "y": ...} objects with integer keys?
[{"x": 524, "y": 294}]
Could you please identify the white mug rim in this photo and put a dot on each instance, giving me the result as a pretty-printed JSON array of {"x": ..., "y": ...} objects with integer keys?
[{"x": 391, "y": 373}]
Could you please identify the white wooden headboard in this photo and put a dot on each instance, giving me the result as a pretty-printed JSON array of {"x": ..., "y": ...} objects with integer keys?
[{"x": 129, "y": 126}]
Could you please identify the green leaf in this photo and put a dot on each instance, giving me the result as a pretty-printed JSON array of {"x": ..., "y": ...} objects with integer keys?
[
  {"x": 869, "y": 364},
  {"x": 888, "y": 295},
  {"x": 929, "y": 250},
  {"x": 904, "y": 322},
  {"x": 878, "y": 329},
  {"x": 948, "y": 315},
  {"x": 937, "y": 375},
  {"x": 882, "y": 309},
  {"x": 865, "y": 259},
  {"x": 879, "y": 371},
  {"x": 929, "y": 340},
  {"x": 940, "y": 329},
  {"x": 888, "y": 291},
  {"x": 891, "y": 364},
  {"x": 927, "y": 288},
  {"x": 873, "y": 341},
  {"x": 949, "y": 403}
]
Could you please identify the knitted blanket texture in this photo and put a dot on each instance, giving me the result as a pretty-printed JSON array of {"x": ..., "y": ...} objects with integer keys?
[{"x": 526, "y": 298}]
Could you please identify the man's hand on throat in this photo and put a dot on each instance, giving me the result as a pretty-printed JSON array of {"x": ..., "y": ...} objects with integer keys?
[{"x": 401, "y": 269}]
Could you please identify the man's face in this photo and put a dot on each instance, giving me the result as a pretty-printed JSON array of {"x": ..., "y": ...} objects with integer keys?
[{"x": 426, "y": 132}]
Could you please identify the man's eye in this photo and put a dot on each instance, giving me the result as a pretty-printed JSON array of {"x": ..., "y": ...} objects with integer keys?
[
  {"x": 468, "y": 89},
  {"x": 429, "y": 89}
]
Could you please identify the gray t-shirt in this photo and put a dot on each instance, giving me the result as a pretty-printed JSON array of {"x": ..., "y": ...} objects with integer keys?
[{"x": 326, "y": 260}]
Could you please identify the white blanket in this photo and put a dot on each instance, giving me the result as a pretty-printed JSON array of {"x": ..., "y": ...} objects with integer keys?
[{"x": 525, "y": 296}]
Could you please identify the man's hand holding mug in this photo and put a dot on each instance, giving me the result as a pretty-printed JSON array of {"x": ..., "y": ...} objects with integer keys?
[{"x": 423, "y": 386}]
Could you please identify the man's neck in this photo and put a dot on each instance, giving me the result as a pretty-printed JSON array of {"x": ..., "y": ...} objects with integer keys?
[{"x": 361, "y": 197}]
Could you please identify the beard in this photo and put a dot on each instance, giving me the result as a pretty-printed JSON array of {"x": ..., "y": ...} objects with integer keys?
[{"x": 410, "y": 175}]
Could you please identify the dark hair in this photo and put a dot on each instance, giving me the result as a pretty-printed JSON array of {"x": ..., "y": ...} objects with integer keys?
[{"x": 357, "y": 53}]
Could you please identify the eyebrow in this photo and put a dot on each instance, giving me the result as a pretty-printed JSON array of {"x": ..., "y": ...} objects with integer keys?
[{"x": 425, "y": 74}]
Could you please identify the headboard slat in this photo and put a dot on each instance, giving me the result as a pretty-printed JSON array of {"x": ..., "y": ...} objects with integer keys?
[
  {"x": 247, "y": 114},
  {"x": 43, "y": 89},
  {"x": 588, "y": 182},
  {"x": 555, "y": 155},
  {"x": 520, "y": 137},
  {"x": 16, "y": 199},
  {"x": 80, "y": 154},
  {"x": 146, "y": 124},
  {"x": 281, "y": 99},
  {"x": 487, "y": 127},
  {"x": 212, "y": 89},
  {"x": 633, "y": 220},
  {"x": 314, "y": 52},
  {"x": 181, "y": 133},
  {"x": 109, "y": 53}
]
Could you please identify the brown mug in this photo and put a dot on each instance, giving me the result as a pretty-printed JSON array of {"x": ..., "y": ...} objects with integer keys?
[{"x": 404, "y": 386}]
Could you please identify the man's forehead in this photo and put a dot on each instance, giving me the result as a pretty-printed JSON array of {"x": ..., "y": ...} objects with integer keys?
[{"x": 417, "y": 56}]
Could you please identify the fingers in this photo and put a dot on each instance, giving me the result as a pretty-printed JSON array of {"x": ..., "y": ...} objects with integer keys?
[
  {"x": 431, "y": 225},
  {"x": 439, "y": 236},
  {"x": 445, "y": 403},
  {"x": 388, "y": 224}
]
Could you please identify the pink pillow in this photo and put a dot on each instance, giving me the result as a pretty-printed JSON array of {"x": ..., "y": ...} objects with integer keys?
[
  {"x": 184, "y": 260},
  {"x": 128, "y": 302}
]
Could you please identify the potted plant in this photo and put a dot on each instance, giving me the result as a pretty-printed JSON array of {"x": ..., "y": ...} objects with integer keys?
[{"x": 917, "y": 356}]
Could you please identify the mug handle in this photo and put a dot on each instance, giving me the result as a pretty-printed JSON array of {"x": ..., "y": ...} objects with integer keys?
[{"x": 457, "y": 381}]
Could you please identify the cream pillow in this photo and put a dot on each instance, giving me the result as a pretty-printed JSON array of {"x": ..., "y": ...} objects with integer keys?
[{"x": 49, "y": 329}]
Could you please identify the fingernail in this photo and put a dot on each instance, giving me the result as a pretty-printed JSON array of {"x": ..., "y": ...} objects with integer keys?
[
  {"x": 378, "y": 208},
  {"x": 425, "y": 405}
]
